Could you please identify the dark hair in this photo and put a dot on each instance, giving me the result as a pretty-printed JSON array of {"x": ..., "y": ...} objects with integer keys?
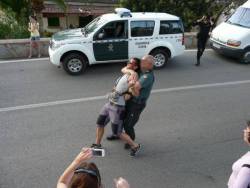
[
  {"x": 86, "y": 180},
  {"x": 34, "y": 17},
  {"x": 137, "y": 62}
]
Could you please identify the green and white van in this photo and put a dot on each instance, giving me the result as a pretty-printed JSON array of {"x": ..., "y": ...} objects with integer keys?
[{"x": 118, "y": 37}]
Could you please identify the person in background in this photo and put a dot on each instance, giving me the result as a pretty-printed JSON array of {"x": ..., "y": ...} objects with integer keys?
[
  {"x": 205, "y": 25},
  {"x": 119, "y": 31},
  {"x": 34, "y": 35},
  {"x": 81, "y": 174},
  {"x": 71, "y": 26},
  {"x": 240, "y": 177}
]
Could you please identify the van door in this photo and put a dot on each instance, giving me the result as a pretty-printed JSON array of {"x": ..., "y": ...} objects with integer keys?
[
  {"x": 141, "y": 35},
  {"x": 111, "y": 41},
  {"x": 172, "y": 31}
]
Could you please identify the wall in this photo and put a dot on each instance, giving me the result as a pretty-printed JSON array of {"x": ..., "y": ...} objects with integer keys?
[{"x": 19, "y": 48}]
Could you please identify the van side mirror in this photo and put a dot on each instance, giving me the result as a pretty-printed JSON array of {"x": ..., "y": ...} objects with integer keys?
[{"x": 100, "y": 36}]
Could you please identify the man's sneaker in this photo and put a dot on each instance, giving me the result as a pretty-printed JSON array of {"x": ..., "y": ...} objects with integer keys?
[
  {"x": 127, "y": 146},
  {"x": 112, "y": 137},
  {"x": 134, "y": 151},
  {"x": 96, "y": 146}
]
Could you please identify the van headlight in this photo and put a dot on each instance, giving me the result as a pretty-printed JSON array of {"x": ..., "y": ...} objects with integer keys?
[
  {"x": 233, "y": 43},
  {"x": 55, "y": 46}
]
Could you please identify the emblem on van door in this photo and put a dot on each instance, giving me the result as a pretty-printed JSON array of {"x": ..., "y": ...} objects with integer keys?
[{"x": 110, "y": 47}]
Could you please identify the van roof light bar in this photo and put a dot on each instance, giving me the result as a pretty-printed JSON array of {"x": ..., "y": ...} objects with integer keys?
[{"x": 123, "y": 12}]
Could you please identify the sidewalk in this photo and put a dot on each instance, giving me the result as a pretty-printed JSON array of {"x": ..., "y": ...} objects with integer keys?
[{"x": 19, "y": 48}]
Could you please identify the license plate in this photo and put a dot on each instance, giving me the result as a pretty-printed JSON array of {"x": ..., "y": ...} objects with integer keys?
[{"x": 216, "y": 45}]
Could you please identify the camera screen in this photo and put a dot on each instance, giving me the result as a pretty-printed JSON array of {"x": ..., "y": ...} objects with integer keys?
[{"x": 97, "y": 152}]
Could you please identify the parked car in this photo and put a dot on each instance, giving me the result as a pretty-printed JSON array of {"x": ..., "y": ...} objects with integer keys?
[
  {"x": 232, "y": 37},
  {"x": 117, "y": 37}
]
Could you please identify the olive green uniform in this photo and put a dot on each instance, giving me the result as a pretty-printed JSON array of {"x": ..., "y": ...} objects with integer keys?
[{"x": 136, "y": 105}]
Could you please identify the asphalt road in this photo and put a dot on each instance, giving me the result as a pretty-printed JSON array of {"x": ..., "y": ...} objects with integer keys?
[{"x": 190, "y": 136}]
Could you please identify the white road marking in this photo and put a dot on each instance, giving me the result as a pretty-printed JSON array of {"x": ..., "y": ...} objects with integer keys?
[
  {"x": 24, "y": 60},
  {"x": 46, "y": 58},
  {"x": 87, "y": 99},
  {"x": 195, "y": 50}
]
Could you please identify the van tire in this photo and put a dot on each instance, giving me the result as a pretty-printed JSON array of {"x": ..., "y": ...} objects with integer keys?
[
  {"x": 161, "y": 58},
  {"x": 246, "y": 57},
  {"x": 74, "y": 63}
]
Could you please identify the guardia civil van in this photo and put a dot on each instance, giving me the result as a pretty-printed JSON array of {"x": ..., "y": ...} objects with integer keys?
[
  {"x": 116, "y": 37},
  {"x": 232, "y": 37}
]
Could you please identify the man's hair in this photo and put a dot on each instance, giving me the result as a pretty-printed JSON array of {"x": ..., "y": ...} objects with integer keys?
[
  {"x": 149, "y": 59},
  {"x": 86, "y": 180},
  {"x": 137, "y": 60}
]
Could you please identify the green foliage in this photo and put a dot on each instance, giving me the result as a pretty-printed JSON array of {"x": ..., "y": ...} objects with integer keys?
[
  {"x": 12, "y": 29},
  {"x": 16, "y": 6},
  {"x": 187, "y": 10}
]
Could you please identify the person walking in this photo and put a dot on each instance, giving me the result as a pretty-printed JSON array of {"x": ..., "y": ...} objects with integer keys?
[
  {"x": 205, "y": 25},
  {"x": 240, "y": 177},
  {"x": 34, "y": 35},
  {"x": 137, "y": 103}
]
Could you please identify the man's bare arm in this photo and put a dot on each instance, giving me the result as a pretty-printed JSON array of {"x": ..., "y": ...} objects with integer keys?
[
  {"x": 125, "y": 70},
  {"x": 135, "y": 90}
]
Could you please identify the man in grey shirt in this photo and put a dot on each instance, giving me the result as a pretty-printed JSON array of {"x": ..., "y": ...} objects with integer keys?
[{"x": 113, "y": 111}]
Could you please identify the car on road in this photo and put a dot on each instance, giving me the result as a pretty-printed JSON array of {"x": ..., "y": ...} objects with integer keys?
[
  {"x": 116, "y": 37},
  {"x": 232, "y": 37}
]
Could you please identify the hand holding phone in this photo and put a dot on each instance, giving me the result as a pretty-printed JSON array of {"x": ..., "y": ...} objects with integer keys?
[{"x": 98, "y": 152}]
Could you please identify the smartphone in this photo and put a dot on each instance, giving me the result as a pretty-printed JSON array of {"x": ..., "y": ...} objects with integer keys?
[{"x": 98, "y": 152}]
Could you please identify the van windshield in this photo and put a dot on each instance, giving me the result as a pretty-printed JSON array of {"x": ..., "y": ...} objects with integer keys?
[
  {"x": 93, "y": 25},
  {"x": 241, "y": 17}
]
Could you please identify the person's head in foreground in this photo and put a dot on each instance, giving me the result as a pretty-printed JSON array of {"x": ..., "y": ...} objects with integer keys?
[
  {"x": 82, "y": 174},
  {"x": 85, "y": 176},
  {"x": 147, "y": 63},
  {"x": 247, "y": 133}
]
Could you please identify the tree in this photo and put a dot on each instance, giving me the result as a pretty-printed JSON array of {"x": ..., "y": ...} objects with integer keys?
[
  {"x": 28, "y": 6},
  {"x": 38, "y": 5},
  {"x": 187, "y": 10},
  {"x": 19, "y": 7}
]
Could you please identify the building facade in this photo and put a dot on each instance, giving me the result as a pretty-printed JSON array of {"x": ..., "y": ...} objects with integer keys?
[{"x": 78, "y": 13}]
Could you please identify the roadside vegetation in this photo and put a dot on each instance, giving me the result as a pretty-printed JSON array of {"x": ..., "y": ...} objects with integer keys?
[{"x": 14, "y": 13}]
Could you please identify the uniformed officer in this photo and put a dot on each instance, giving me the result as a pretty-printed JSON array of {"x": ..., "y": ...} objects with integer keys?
[
  {"x": 205, "y": 25},
  {"x": 142, "y": 90}
]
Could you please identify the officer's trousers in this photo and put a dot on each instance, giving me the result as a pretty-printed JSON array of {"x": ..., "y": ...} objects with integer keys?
[
  {"x": 132, "y": 114},
  {"x": 201, "y": 45}
]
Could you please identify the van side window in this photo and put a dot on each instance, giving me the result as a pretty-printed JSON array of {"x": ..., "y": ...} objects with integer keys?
[
  {"x": 170, "y": 27},
  {"x": 113, "y": 30},
  {"x": 142, "y": 28}
]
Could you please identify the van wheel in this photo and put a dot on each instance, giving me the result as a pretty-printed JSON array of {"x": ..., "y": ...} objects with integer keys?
[
  {"x": 246, "y": 57},
  {"x": 160, "y": 57},
  {"x": 74, "y": 63}
]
